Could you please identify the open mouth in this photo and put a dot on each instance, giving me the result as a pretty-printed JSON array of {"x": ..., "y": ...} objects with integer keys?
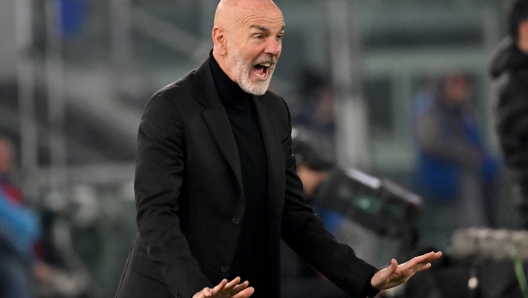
[{"x": 262, "y": 70}]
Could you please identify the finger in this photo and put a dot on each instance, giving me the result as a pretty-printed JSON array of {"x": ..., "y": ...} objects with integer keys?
[
  {"x": 203, "y": 293},
  {"x": 392, "y": 269},
  {"x": 219, "y": 287},
  {"x": 240, "y": 287},
  {"x": 421, "y": 260},
  {"x": 230, "y": 285},
  {"x": 394, "y": 266},
  {"x": 387, "y": 272},
  {"x": 437, "y": 255},
  {"x": 424, "y": 267},
  {"x": 245, "y": 293},
  {"x": 432, "y": 256}
]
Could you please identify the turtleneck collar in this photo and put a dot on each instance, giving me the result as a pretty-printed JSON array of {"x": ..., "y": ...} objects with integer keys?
[{"x": 230, "y": 92}]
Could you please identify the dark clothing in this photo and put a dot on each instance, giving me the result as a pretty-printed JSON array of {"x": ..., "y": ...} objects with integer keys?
[
  {"x": 250, "y": 261},
  {"x": 190, "y": 197},
  {"x": 453, "y": 167},
  {"x": 509, "y": 69}
]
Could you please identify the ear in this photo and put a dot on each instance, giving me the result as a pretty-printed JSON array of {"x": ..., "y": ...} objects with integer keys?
[
  {"x": 523, "y": 30},
  {"x": 219, "y": 40}
]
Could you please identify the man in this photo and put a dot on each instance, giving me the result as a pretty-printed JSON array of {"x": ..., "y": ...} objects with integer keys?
[
  {"x": 509, "y": 69},
  {"x": 312, "y": 161},
  {"x": 454, "y": 165},
  {"x": 215, "y": 183},
  {"x": 19, "y": 229}
]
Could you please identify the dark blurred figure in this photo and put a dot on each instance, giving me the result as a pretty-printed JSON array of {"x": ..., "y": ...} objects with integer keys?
[
  {"x": 316, "y": 110},
  {"x": 456, "y": 174},
  {"x": 509, "y": 69},
  {"x": 313, "y": 163},
  {"x": 30, "y": 264},
  {"x": 19, "y": 229}
]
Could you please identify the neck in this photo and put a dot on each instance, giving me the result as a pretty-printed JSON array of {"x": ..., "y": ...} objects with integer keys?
[
  {"x": 229, "y": 91},
  {"x": 220, "y": 59}
]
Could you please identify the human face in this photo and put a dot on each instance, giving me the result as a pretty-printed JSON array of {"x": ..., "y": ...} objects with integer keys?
[
  {"x": 311, "y": 180},
  {"x": 6, "y": 155},
  {"x": 256, "y": 48},
  {"x": 457, "y": 90}
]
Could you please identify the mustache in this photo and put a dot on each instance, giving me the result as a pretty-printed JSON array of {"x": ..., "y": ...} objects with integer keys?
[{"x": 269, "y": 59}]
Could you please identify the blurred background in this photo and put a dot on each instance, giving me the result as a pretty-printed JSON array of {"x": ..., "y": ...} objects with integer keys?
[{"x": 76, "y": 74}]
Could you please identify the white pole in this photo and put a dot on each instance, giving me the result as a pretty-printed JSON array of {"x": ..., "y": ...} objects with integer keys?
[
  {"x": 351, "y": 121},
  {"x": 120, "y": 43},
  {"x": 26, "y": 98},
  {"x": 56, "y": 97}
]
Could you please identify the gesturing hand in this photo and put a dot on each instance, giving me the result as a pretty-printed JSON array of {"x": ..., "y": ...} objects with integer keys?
[
  {"x": 395, "y": 274},
  {"x": 226, "y": 289}
]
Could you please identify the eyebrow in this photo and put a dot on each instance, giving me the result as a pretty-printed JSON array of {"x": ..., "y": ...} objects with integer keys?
[{"x": 264, "y": 29}]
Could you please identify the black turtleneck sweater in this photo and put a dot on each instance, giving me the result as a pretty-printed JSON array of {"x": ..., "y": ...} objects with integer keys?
[{"x": 250, "y": 260}]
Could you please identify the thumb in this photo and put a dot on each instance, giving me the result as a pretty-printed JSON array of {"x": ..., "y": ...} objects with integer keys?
[
  {"x": 382, "y": 277},
  {"x": 387, "y": 272},
  {"x": 393, "y": 267}
]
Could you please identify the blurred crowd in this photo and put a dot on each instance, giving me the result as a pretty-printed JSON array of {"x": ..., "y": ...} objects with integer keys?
[{"x": 31, "y": 264}]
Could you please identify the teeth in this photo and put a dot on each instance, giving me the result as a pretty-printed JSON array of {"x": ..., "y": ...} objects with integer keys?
[{"x": 266, "y": 64}]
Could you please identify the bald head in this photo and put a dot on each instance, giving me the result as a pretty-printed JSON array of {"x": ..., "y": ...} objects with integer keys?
[
  {"x": 247, "y": 37},
  {"x": 232, "y": 13}
]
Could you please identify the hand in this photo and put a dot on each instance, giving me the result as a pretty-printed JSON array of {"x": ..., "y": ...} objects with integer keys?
[
  {"x": 395, "y": 274},
  {"x": 227, "y": 290}
]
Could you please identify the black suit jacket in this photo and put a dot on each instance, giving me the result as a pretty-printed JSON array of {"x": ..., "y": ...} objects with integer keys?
[{"x": 190, "y": 201}]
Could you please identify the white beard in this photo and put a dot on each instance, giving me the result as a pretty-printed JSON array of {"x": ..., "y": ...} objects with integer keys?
[{"x": 241, "y": 71}]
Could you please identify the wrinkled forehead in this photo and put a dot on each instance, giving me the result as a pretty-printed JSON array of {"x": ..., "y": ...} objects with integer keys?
[
  {"x": 247, "y": 14},
  {"x": 271, "y": 18}
]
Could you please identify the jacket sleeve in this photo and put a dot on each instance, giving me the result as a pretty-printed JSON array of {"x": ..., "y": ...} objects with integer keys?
[
  {"x": 512, "y": 131},
  {"x": 304, "y": 232},
  {"x": 159, "y": 176}
]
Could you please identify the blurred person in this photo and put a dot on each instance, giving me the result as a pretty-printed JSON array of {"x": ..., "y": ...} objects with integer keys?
[
  {"x": 316, "y": 107},
  {"x": 314, "y": 163},
  {"x": 454, "y": 166},
  {"x": 25, "y": 267},
  {"x": 215, "y": 183},
  {"x": 509, "y": 69},
  {"x": 19, "y": 229}
]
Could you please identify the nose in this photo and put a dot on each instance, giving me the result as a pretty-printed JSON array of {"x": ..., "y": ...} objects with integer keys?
[{"x": 273, "y": 47}]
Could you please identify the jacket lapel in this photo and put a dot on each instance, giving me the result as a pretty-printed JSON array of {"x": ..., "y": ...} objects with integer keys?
[{"x": 217, "y": 121}]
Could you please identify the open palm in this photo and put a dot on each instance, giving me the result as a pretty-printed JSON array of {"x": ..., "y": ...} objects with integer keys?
[{"x": 232, "y": 289}]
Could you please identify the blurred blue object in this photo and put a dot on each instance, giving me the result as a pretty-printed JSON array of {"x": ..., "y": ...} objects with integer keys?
[
  {"x": 72, "y": 16},
  {"x": 20, "y": 223}
]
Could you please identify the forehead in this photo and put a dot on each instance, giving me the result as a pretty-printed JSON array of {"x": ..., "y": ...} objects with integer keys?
[{"x": 269, "y": 18}]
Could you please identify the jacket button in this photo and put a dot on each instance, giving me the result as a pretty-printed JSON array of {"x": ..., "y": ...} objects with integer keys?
[
  {"x": 224, "y": 269},
  {"x": 235, "y": 220}
]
